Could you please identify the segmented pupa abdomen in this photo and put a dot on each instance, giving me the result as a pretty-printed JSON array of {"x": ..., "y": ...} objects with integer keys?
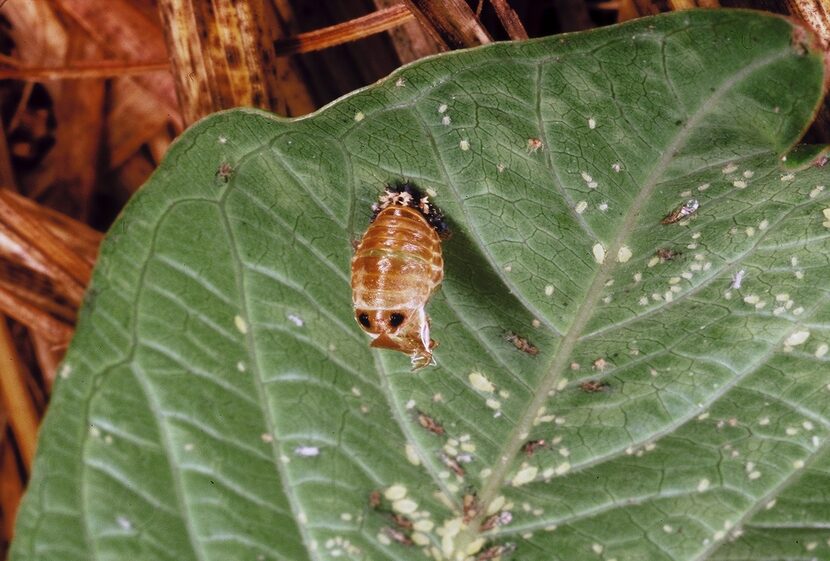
[{"x": 398, "y": 263}]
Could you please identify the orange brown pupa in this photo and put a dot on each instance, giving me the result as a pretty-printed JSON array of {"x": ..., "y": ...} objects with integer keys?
[{"x": 395, "y": 269}]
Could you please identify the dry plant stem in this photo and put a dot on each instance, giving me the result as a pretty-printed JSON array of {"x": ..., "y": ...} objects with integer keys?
[
  {"x": 81, "y": 70},
  {"x": 11, "y": 488},
  {"x": 573, "y": 15},
  {"x": 35, "y": 319},
  {"x": 125, "y": 32},
  {"x": 79, "y": 237},
  {"x": 816, "y": 13},
  {"x": 48, "y": 357},
  {"x": 358, "y": 28},
  {"x": 18, "y": 403},
  {"x": 64, "y": 265},
  {"x": 451, "y": 22},
  {"x": 682, "y": 4},
  {"x": 223, "y": 56},
  {"x": 411, "y": 41},
  {"x": 510, "y": 20}
]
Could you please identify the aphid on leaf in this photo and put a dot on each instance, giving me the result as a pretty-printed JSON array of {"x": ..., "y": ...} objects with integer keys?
[
  {"x": 533, "y": 145},
  {"x": 529, "y": 448},
  {"x": 395, "y": 269},
  {"x": 469, "y": 506},
  {"x": 429, "y": 423},
  {"x": 501, "y": 518},
  {"x": 686, "y": 209},
  {"x": 521, "y": 343},
  {"x": 375, "y": 499},
  {"x": 401, "y": 521},
  {"x": 453, "y": 465},
  {"x": 666, "y": 254},
  {"x": 496, "y": 552},
  {"x": 396, "y": 536},
  {"x": 593, "y": 386},
  {"x": 224, "y": 172}
]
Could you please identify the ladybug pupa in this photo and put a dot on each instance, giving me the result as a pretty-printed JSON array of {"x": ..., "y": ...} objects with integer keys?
[{"x": 395, "y": 269}]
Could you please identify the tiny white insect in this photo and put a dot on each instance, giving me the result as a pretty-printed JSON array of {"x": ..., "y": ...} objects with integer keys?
[{"x": 738, "y": 279}]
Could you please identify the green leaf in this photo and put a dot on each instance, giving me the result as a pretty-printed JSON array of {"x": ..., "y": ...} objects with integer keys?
[{"x": 220, "y": 402}]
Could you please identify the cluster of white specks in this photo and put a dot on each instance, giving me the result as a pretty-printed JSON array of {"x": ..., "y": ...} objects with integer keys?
[
  {"x": 816, "y": 191},
  {"x": 296, "y": 320},
  {"x": 446, "y": 121},
  {"x": 599, "y": 253},
  {"x": 442, "y": 108},
  {"x": 703, "y": 187},
  {"x": 339, "y": 546},
  {"x": 617, "y": 167},
  {"x": 788, "y": 177},
  {"x": 481, "y": 383},
  {"x": 751, "y": 472},
  {"x": 592, "y": 123},
  {"x": 543, "y": 417},
  {"x": 359, "y": 116},
  {"x": 755, "y": 300},
  {"x": 307, "y": 451},
  {"x": 223, "y": 139},
  {"x": 241, "y": 324},
  {"x": 400, "y": 82},
  {"x": 589, "y": 180},
  {"x": 464, "y": 145},
  {"x": 581, "y": 206},
  {"x": 730, "y": 168},
  {"x": 791, "y": 431},
  {"x": 549, "y": 290},
  {"x": 739, "y": 184},
  {"x": 500, "y": 167}
]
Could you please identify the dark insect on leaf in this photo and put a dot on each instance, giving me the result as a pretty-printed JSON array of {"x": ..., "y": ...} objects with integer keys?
[
  {"x": 521, "y": 343},
  {"x": 430, "y": 424},
  {"x": 686, "y": 209},
  {"x": 531, "y": 446},
  {"x": 593, "y": 386},
  {"x": 397, "y": 536}
]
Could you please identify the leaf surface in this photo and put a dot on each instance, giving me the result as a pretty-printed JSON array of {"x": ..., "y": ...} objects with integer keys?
[{"x": 220, "y": 402}]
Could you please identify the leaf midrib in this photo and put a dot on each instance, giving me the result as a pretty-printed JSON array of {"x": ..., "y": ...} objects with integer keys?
[{"x": 585, "y": 311}]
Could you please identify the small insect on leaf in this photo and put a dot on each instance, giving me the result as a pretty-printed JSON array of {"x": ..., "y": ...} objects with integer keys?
[
  {"x": 401, "y": 521},
  {"x": 686, "y": 209},
  {"x": 521, "y": 343},
  {"x": 429, "y": 423},
  {"x": 453, "y": 464},
  {"x": 395, "y": 269},
  {"x": 495, "y": 552},
  {"x": 470, "y": 506},
  {"x": 224, "y": 172},
  {"x": 397, "y": 536},
  {"x": 375, "y": 499},
  {"x": 666, "y": 254},
  {"x": 531, "y": 446},
  {"x": 738, "y": 279},
  {"x": 593, "y": 386},
  {"x": 501, "y": 518}
]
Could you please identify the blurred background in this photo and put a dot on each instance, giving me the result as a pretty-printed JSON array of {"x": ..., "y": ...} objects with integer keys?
[{"x": 92, "y": 93}]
